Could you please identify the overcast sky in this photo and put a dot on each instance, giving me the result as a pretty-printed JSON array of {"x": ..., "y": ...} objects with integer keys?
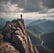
[{"x": 29, "y": 8}]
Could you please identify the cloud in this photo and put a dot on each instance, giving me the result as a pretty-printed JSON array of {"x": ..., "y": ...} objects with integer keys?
[
  {"x": 51, "y": 10},
  {"x": 11, "y": 8},
  {"x": 49, "y": 3},
  {"x": 26, "y": 5},
  {"x": 25, "y": 15}
]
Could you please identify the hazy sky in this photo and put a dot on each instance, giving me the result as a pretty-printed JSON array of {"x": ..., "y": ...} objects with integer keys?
[{"x": 29, "y": 8}]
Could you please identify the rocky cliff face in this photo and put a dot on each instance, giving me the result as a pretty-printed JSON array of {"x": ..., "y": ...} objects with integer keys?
[{"x": 14, "y": 39}]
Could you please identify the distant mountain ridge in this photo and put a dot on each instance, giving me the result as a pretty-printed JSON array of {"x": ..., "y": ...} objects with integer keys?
[
  {"x": 45, "y": 25},
  {"x": 36, "y": 22},
  {"x": 3, "y": 21}
]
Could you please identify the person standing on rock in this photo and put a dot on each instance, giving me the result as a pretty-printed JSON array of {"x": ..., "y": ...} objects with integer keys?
[{"x": 21, "y": 16}]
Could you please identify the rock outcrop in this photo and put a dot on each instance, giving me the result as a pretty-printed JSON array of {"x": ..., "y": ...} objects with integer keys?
[{"x": 14, "y": 39}]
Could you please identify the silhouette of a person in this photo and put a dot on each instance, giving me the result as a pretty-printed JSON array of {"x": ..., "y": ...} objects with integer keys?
[{"x": 21, "y": 16}]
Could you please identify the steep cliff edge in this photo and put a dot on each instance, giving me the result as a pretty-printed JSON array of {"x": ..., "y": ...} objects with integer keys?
[{"x": 14, "y": 39}]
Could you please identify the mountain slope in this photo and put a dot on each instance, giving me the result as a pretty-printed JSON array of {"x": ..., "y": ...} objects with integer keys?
[
  {"x": 45, "y": 25},
  {"x": 13, "y": 35},
  {"x": 48, "y": 40},
  {"x": 36, "y": 29},
  {"x": 45, "y": 28},
  {"x": 48, "y": 26}
]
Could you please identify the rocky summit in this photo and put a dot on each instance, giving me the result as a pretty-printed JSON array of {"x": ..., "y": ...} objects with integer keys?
[{"x": 14, "y": 39}]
